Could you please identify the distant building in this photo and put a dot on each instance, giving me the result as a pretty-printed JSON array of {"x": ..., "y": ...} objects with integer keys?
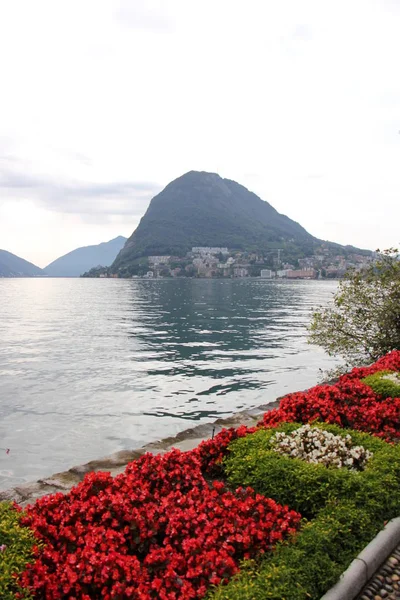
[
  {"x": 240, "y": 272},
  {"x": 302, "y": 274},
  {"x": 282, "y": 273},
  {"x": 209, "y": 250},
  {"x": 267, "y": 273},
  {"x": 149, "y": 274}
]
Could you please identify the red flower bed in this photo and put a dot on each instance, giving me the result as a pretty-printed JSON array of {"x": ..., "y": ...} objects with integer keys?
[
  {"x": 156, "y": 531},
  {"x": 389, "y": 362},
  {"x": 160, "y": 531},
  {"x": 349, "y": 403},
  {"x": 211, "y": 452}
]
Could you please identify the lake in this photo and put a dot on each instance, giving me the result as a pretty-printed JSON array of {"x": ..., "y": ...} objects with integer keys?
[{"x": 92, "y": 366}]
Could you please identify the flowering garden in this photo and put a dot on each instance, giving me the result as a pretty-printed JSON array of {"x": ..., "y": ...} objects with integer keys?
[{"x": 274, "y": 511}]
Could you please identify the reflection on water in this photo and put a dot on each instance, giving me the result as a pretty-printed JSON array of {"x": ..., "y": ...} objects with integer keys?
[{"x": 88, "y": 367}]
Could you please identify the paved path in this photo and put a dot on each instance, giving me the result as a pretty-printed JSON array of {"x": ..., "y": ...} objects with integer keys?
[{"x": 385, "y": 585}]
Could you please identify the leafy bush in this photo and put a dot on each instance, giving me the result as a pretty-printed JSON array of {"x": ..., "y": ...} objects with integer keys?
[
  {"x": 384, "y": 383},
  {"x": 16, "y": 549},
  {"x": 310, "y": 563},
  {"x": 347, "y": 509},
  {"x": 307, "y": 487},
  {"x": 364, "y": 321}
]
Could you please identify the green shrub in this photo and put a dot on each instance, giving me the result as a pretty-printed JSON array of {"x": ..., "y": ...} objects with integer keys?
[
  {"x": 344, "y": 509},
  {"x": 363, "y": 321},
  {"x": 310, "y": 564},
  {"x": 384, "y": 383},
  {"x": 307, "y": 487},
  {"x": 18, "y": 542}
]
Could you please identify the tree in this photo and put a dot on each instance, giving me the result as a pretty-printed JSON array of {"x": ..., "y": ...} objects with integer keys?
[{"x": 364, "y": 321}]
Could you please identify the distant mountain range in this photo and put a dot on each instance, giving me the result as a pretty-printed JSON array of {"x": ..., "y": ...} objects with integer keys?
[
  {"x": 72, "y": 264},
  {"x": 202, "y": 209},
  {"x": 197, "y": 209},
  {"x": 14, "y": 266},
  {"x": 83, "y": 259}
]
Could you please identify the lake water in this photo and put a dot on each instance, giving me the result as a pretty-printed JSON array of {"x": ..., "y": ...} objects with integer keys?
[{"x": 92, "y": 366}]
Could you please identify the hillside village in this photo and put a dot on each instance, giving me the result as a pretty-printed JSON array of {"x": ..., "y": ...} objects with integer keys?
[{"x": 220, "y": 262}]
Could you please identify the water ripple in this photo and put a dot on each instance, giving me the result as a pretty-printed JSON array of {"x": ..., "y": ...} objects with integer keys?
[{"x": 89, "y": 367}]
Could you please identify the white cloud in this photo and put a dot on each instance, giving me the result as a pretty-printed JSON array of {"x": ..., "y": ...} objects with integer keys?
[
  {"x": 89, "y": 199},
  {"x": 144, "y": 14},
  {"x": 299, "y": 101}
]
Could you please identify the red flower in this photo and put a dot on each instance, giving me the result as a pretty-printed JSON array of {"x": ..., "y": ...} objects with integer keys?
[
  {"x": 156, "y": 531},
  {"x": 159, "y": 530}
]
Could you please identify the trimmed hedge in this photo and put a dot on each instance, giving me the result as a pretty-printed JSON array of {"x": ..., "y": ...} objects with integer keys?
[
  {"x": 307, "y": 487},
  {"x": 345, "y": 510},
  {"x": 16, "y": 551},
  {"x": 306, "y": 567},
  {"x": 386, "y": 388}
]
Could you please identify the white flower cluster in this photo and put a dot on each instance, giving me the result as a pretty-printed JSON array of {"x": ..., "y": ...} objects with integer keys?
[
  {"x": 395, "y": 377},
  {"x": 315, "y": 445}
]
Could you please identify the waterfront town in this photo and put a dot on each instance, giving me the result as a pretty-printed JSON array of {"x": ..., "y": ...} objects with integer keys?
[{"x": 220, "y": 262}]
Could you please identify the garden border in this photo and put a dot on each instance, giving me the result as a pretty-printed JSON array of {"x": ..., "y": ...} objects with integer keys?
[
  {"x": 365, "y": 565},
  {"x": 351, "y": 582}
]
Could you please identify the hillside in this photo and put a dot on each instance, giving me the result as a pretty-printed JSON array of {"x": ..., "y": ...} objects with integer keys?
[
  {"x": 202, "y": 209},
  {"x": 14, "y": 266},
  {"x": 83, "y": 259}
]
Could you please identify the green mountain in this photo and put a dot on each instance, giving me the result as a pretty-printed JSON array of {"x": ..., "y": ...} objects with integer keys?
[
  {"x": 202, "y": 209},
  {"x": 14, "y": 266},
  {"x": 83, "y": 259}
]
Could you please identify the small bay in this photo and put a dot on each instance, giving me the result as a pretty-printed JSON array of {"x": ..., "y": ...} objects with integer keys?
[{"x": 92, "y": 366}]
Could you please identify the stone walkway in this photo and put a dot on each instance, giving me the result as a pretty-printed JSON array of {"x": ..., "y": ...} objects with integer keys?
[{"x": 385, "y": 585}]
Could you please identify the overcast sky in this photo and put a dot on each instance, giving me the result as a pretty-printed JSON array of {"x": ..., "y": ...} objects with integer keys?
[{"x": 103, "y": 102}]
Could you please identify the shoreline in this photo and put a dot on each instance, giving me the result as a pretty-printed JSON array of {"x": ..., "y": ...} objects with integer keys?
[{"x": 116, "y": 462}]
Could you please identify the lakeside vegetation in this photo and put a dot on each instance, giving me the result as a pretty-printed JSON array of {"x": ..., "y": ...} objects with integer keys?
[
  {"x": 274, "y": 511},
  {"x": 364, "y": 321},
  {"x": 232, "y": 518}
]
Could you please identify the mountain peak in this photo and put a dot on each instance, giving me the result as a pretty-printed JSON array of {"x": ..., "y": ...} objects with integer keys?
[
  {"x": 199, "y": 175},
  {"x": 195, "y": 178},
  {"x": 203, "y": 209}
]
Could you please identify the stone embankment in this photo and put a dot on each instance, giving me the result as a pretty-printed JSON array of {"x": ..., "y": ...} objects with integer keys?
[{"x": 116, "y": 463}]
